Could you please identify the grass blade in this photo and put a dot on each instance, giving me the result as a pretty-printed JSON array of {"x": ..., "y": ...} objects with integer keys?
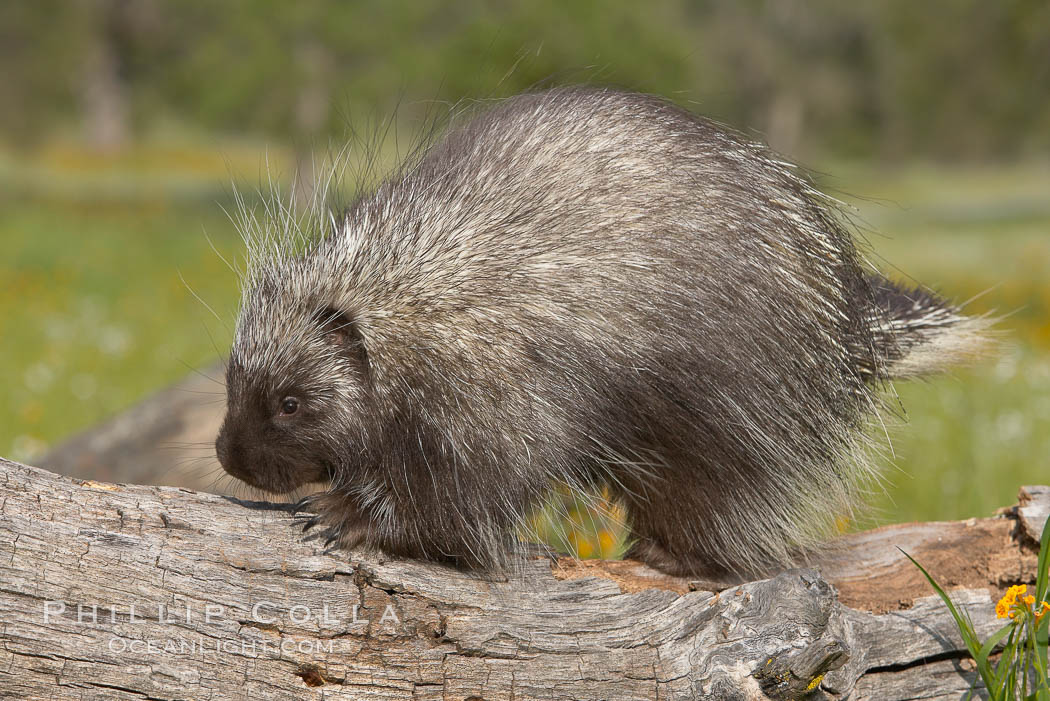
[
  {"x": 1041, "y": 571},
  {"x": 966, "y": 631},
  {"x": 991, "y": 642}
]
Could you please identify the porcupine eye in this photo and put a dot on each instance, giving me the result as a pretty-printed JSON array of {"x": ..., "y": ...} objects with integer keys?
[{"x": 289, "y": 405}]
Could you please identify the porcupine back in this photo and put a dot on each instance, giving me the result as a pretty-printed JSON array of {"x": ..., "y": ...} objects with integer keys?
[{"x": 598, "y": 287}]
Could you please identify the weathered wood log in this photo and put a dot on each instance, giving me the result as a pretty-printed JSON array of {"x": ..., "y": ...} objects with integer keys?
[{"x": 117, "y": 591}]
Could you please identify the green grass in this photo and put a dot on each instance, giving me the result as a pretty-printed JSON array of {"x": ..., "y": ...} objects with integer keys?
[{"x": 95, "y": 315}]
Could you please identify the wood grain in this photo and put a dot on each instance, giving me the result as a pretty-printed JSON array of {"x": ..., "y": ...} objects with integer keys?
[{"x": 156, "y": 592}]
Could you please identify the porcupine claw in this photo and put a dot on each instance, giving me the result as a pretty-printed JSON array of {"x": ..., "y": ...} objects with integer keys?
[
  {"x": 306, "y": 520},
  {"x": 302, "y": 504},
  {"x": 310, "y": 523}
]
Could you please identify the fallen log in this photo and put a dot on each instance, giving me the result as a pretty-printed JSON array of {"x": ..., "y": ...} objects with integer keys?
[{"x": 131, "y": 592}]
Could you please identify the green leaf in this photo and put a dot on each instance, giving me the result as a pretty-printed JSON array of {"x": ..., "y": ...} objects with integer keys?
[
  {"x": 991, "y": 642},
  {"x": 1041, "y": 568},
  {"x": 966, "y": 631},
  {"x": 1040, "y": 596},
  {"x": 1001, "y": 678}
]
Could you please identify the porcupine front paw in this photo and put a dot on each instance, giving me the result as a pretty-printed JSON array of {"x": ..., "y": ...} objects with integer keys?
[{"x": 337, "y": 520}]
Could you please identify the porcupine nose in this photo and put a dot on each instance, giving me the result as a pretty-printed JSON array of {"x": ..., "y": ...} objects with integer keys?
[
  {"x": 229, "y": 456},
  {"x": 222, "y": 448}
]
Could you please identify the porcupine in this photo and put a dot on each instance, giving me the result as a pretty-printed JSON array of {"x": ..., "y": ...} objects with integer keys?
[{"x": 584, "y": 286}]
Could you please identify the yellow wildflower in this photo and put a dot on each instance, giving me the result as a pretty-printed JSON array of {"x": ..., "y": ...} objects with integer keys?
[
  {"x": 581, "y": 544},
  {"x": 1043, "y": 608},
  {"x": 1006, "y": 605}
]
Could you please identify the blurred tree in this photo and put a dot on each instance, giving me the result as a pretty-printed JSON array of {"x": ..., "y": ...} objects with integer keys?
[
  {"x": 39, "y": 46},
  {"x": 894, "y": 78},
  {"x": 102, "y": 85}
]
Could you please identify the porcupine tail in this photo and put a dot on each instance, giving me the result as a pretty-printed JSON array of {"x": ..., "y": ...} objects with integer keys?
[{"x": 919, "y": 333}]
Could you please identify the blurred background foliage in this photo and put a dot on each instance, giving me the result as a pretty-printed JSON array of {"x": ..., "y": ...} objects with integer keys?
[
  {"x": 893, "y": 79},
  {"x": 123, "y": 124}
]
